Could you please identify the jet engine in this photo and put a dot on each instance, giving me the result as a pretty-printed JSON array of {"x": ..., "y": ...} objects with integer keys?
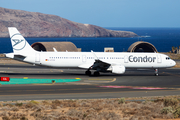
[{"x": 118, "y": 69}]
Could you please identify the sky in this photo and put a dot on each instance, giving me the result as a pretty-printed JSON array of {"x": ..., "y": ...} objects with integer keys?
[{"x": 106, "y": 13}]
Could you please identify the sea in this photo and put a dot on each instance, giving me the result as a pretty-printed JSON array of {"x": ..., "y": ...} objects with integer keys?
[{"x": 162, "y": 38}]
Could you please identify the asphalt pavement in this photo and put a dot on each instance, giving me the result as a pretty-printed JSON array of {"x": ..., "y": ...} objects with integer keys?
[{"x": 134, "y": 83}]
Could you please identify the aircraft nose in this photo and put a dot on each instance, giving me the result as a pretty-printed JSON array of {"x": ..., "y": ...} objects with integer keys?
[{"x": 173, "y": 63}]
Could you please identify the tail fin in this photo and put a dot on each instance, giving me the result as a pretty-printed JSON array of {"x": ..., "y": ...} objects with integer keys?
[{"x": 19, "y": 44}]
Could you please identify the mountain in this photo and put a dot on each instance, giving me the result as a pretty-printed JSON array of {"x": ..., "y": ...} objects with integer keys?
[{"x": 33, "y": 24}]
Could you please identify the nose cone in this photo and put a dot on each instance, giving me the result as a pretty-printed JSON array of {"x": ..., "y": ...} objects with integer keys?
[{"x": 173, "y": 63}]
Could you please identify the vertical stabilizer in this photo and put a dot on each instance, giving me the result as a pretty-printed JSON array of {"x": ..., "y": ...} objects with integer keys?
[{"x": 19, "y": 44}]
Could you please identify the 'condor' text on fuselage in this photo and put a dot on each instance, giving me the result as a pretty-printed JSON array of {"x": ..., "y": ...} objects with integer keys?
[{"x": 141, "y": 59}]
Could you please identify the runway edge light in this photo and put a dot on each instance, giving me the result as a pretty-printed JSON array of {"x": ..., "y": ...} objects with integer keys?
[{"x": 6, "y": 79}]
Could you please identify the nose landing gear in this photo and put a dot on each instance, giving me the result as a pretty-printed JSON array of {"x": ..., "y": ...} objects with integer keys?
[{"x": 156, "y": 72}]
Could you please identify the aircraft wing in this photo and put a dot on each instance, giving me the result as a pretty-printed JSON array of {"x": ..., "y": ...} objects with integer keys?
[
  {"x": 103, "y": 66},
  {"x": 100, "y": 65},
  {"x": 97, "y": 65}
]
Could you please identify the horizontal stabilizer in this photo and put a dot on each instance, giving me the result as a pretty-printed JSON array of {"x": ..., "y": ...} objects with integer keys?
[{"x": 19, "y": 56}]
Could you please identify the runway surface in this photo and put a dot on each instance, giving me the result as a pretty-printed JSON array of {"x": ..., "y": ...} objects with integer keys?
[{"x": 134, "y": 83}]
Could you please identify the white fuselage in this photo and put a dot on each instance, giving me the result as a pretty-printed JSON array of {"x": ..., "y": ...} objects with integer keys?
[{"x": 86, "y": 59}]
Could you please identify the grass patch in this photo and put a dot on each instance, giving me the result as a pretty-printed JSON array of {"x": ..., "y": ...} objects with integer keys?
[
  {"x": 167, "y": 110},
  {"x": 121, "y": 101},
  {"x": 171, "y": 102},
  {"x": 177, "y": 113},
  {"x": 94, "y": 109}
]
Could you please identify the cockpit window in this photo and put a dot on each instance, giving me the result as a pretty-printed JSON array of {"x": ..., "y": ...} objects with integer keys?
[{"x": 168, "y": 58}]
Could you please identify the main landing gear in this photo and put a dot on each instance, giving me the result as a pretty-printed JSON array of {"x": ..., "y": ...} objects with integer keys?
[
  {"x": 96, "y": 73},
  {"x": 88, "y": 72},
  {"x": 156, "y": 72}
]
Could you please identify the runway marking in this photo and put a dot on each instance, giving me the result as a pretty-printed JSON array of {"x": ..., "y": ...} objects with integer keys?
[
  {"x": 172, "y": 74},
  {"x": 47, "y": 90},
  {"x": 174, "y": 85},
  {"x": 100, "y": 79},
  {"x": 50, "y": 90},
  {"x": 43, "y": 84},
  {"x": 95, "y": 93},
  {"x": 102, "y": 87},
  {"x": 131, "y": 87},
  {"x": 61, "y": 70},
  {"x": 29, "y": 90}
]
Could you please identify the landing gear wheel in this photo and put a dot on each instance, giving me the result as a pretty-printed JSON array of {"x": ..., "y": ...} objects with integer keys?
[
  {"x": 96, "y": 73},
  {"x": 88, "y": 72},
  {"x": 156, "y": 72}
]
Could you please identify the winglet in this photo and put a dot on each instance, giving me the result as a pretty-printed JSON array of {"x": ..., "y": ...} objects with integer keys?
[
  {"x": 54, "y": 49},
  {"x": 95, "y": 57}
]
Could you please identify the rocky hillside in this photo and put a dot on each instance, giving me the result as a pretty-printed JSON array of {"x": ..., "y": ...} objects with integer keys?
[{"x": 33, "y": 24}]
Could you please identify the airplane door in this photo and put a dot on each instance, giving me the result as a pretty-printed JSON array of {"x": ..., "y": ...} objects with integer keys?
[
  {"x": 84, "y": 58},
  {"x": 159, "y": 60},
  {"x": 125, "y": 59},
  {"x": 37, "y": 58}
]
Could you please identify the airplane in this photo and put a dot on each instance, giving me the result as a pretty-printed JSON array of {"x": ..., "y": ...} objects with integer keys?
[{"x": 114, "y": 62}]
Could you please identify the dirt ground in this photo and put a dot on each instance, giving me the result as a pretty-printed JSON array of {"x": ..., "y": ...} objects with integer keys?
[{"x": 150, "y": 108}]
